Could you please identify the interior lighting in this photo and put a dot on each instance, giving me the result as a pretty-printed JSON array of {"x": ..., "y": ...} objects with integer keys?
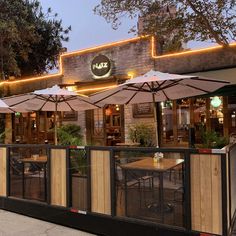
[
  {"x": 71, "y": 88},
  {"x": 108, "y": 111},
  {"x": 216, "y": 101},
  {"x": 117, "y": 108},
  {"x": 96, "y": 88},
  {"x": 131, "y": 75}
]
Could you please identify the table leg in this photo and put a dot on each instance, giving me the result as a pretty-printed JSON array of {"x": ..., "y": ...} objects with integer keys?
[
  {"x": 45, "y": 181},
  {"x": 161, "y": 196},
  {"x": 23, "y": 180},
  {"x": 125, "y": 174}
]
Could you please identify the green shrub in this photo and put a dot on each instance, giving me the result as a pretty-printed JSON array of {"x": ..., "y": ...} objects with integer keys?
[
  {"x": 212, "y": 139},
  {"x": 142, "y": 133},
  {"x": 70, "y": 134}
]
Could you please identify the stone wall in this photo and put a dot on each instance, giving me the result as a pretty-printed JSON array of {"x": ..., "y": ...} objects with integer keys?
[
  {"x": 81, "y": 122},
  {"x": 30, "y": 86},
  {"x": 200, "y": 61},
  {"x": 130, "y": 121},
  {"x": 132, "y": 57}
]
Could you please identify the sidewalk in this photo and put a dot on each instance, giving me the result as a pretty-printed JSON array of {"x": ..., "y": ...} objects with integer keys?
[{"x": 12, "y": 224}]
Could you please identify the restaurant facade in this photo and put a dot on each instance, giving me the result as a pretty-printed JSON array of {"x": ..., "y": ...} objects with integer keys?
[
  {"x": 111, "y": 189},
  {"x": 95, "y": 69}
]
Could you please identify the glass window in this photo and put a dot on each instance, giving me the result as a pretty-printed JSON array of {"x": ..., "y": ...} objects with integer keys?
[
  {"x": 216, "y": 114},
  {"x": 98, "y": 122},
  {"x": 232, "y": 115},
  {"x": 199, "y": 117},
  {"x": 183, "y": 120},
  {"x": 167, "y": 122},
  {"x": 113, "y": 124}
]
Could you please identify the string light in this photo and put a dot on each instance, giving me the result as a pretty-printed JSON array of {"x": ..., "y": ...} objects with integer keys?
[
  {"x": 118, "y": 43},
  {"x": 155, "y": 56}
]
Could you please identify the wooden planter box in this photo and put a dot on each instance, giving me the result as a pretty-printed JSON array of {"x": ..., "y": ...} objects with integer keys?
[
  {"x": 79, "y": 192},
  {"x": 206, "y": 193}
]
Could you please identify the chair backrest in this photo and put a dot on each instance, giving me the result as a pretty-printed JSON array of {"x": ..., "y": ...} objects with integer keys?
[
  {"x": 15, "y": 165},
  {"x": 119, "y": 174}
]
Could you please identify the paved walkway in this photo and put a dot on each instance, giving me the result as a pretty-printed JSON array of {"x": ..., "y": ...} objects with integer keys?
[{"x": 12, "y": 224}]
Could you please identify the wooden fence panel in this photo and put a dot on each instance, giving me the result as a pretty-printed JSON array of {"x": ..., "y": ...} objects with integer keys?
[
  {"x": 206, "y": 198},
  {"x": 100, "y": 182},
  {"x": 58, "y": 177},
  {"x": 3, "y": 174}
]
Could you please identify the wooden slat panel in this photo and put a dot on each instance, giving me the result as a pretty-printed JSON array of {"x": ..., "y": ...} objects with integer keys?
[
  {"x": 58, "y": 177},
  {"x": 216, "y": 195},
  {"x": 3, "y": 174},
  {"x": 228, "y": 193},
  {"x": 94, "y": 181},
  {"x": 206, "y": 194},
  {"x": 107, "y": 199},
  {"x": 100, "y": 182},
  {"x": 195, "y": 192}
]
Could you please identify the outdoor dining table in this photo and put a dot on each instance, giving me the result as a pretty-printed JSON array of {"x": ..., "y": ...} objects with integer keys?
[
  {"x": 148, "y": 164},
  {"x": 34, "y": 160},
  {"x": 128, "y": 144}
]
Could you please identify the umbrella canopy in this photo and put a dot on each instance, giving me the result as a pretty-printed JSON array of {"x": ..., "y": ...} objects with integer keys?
[
  {"x": 156, "y": 86},
  {"x": 51, "y": 99},
  {"x": 4, "y": 108}
]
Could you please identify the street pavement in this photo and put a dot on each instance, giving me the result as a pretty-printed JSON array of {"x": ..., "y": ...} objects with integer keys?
[{"x": 12, "y": 224}]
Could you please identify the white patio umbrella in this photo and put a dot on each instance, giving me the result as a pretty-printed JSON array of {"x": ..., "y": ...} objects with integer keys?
[
  {"x": 156, "y": 86},
  {"x": 4, "y": 108},
  {"x": 51, "y": 99}
]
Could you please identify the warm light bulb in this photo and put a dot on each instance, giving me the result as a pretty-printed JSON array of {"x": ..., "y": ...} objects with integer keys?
[{"x": 216, "y": 101}]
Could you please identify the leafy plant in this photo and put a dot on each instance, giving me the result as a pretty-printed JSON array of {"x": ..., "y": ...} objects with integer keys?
[
  {"x": 175, "y": 21},
  {"x": 141, "y": 133},
  {"x": 30, "y": 38},
  {"x": 212, "y": 139},
  {"x": 70, "y": 134},
  {"x": 3, "y": 135}
]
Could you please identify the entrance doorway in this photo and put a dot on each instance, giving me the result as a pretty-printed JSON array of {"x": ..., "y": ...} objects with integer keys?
[
  {"x": 105, "y": 126},
  {"x": 114, "y": 124}
]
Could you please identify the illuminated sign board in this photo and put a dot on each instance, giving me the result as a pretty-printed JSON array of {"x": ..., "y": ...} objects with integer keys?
[{"x": 101, "y": 66}]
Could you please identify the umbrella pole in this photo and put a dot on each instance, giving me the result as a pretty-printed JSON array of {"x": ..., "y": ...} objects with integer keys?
[
  {"x": 155, "y": 118},
  {"x": 55, "y": 126}
]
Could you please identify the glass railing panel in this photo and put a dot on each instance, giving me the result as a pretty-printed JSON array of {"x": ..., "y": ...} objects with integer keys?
[
  {"x": 150, "y": 190},
  {"x": 28, "y": 172},
  {"x": 78, "y": 179}
]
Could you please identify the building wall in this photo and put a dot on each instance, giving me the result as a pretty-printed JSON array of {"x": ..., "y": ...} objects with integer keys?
[
  {"x": 130, "y": 121},
  {"x": 81, "y": 122},
  {"x": 133, "y": 57},
  {"x": 127, "y": 58},
  {"x": 198, "y": 61},
  {"x": 30, "y": 86}
]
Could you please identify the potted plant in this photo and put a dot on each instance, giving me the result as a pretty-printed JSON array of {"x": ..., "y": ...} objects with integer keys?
[
  {"x": 212, "y": 139},
  {"x": 141, "y": 133},
  {"x": 70, "y": 135}
]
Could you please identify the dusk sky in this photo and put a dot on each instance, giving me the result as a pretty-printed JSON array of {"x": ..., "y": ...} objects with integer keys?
[{"x": 89, "y": 29}]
